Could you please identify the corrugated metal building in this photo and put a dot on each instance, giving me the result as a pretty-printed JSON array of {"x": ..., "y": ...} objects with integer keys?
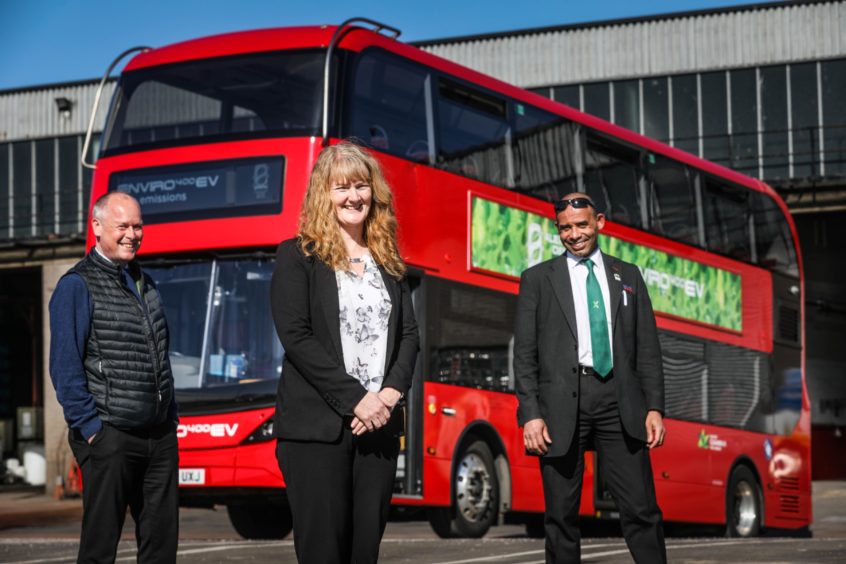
[
  {"x": 43, "y": 207},
  {"x": 745, "y": 36},
  {"x": 758, "y": 88},
  {"x": 25, "y": 113}
]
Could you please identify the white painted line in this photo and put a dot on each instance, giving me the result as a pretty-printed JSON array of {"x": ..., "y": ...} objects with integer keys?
[
  {"x": 45, "y": 560},
  {"x": 132, "y": 552},
  {"x": 685, "y": 543},
  {"x": 228, "y": 546},
  {"x": 718, "y": 543},
  {"x": 71, "y": 558},
  {"x": 490, "y": 558},
  {"x": 512, "y": 555},
  {"x": 39, "y": 540}
]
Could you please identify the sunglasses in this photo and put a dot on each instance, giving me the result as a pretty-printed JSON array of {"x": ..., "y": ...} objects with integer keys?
[{"x": 577, "y": 203}]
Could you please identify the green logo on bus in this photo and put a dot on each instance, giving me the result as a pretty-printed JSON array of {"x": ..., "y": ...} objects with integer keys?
[{"x": 507, "y": 240}]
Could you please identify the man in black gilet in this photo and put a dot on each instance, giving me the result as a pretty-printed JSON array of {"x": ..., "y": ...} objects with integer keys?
[{"x": 109, "y": 365}]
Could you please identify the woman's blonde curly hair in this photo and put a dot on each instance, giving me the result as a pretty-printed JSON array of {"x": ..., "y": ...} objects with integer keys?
[{"x": 319, "y": 232}]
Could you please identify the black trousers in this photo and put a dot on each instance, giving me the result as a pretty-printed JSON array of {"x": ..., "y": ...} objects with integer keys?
[
  {"x": 138, "y": 469},
  {"x": 626, "y": 468},
  {"x": 340, "y": 494}
]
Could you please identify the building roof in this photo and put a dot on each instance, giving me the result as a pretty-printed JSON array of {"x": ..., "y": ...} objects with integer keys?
[{"x": 619, "y": 22}]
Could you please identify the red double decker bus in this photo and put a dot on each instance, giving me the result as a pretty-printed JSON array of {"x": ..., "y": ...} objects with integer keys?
[{"x": 216, "y": 138}]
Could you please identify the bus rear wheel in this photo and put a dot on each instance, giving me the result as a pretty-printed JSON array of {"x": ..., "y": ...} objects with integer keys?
[
  {"x": 475, "y": 496},
  {"x": 261, "y": 521},
  {"x": 743, "y": 504}
]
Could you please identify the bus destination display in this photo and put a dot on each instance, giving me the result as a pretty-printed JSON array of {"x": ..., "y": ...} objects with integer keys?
[{"x": 215, "y": 189}]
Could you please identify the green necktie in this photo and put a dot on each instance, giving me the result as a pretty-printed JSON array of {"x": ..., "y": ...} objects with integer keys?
[{"x": 599, "y": 342}]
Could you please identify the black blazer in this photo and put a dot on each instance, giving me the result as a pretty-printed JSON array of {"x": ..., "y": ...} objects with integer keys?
[
  {"x": 546, "y": 352},
  {"x": 315, "y": 392}
]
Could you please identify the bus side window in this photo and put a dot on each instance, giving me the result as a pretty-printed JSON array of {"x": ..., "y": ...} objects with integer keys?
[
  {"x": 546, "y": 155},
  {"x": 685, "y": 377},
  {"x": 710, "y": 382},
  {"x": 773, "y": 241},
  {"x": 386, "y": 107},
  {"x": 468, "y": 335},
  {"x": 672, "y": 201},
  {"x": 727, "y": 227},
  {"x": 740, "y": 392},
  {"x": 612, "y": 178},
  {"x": 473, "y": 133}
]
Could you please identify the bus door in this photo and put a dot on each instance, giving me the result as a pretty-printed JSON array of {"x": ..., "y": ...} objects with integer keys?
[{"x": 409, "y": 477}]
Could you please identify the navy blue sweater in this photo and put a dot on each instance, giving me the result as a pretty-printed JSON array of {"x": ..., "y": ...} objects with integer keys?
[{"x": 70, "y": 324}]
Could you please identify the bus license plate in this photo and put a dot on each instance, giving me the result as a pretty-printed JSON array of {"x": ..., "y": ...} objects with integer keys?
[{"x": 192, "y": 476}]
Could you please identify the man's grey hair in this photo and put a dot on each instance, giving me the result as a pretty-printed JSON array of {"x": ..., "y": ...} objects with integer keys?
[{"x": 99, "y": 210}]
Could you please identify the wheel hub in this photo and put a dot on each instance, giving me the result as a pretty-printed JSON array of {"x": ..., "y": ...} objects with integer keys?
[
  {"x": 745, "y": 510},
  {"x": 473, "y": 488}
]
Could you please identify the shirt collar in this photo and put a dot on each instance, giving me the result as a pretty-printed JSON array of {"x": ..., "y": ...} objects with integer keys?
[
  {"x": 104, "y": 257},
  {"x": 596, "y": 256}
]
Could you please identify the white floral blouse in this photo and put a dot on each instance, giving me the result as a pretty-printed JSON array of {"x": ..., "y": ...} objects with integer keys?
[{"x": 365, "y": 308}]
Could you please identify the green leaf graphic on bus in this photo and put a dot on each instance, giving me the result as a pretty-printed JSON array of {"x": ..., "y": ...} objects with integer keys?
[
  {"x": 508, "y": 241},
  {"x": 684, "y": 287}
]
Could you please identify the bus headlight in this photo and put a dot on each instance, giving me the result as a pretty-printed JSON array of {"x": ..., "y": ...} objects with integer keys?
[{"x": 264, "y": 432}]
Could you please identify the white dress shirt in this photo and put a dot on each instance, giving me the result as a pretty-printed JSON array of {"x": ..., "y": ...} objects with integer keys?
[{"x": 578, "y": 281}]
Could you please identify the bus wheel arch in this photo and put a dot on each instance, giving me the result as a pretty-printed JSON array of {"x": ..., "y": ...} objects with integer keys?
[
  {"x": 744, "y": 500},
  {"x": 480, "y": 485}
]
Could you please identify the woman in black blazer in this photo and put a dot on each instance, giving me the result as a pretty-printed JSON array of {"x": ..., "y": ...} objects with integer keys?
[{"x": 343, "y": 313}]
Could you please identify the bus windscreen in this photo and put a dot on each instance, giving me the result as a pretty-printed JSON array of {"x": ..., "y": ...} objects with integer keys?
[
  {"x": 269, "y": 94},
  {"x": 221, "y": 331}
]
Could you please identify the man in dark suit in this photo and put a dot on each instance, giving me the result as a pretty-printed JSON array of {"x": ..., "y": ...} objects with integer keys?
[{"x": 588, "y": 372}]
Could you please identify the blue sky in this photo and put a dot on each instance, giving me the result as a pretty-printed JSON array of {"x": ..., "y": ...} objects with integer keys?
[{"x": 47, "y": 41}]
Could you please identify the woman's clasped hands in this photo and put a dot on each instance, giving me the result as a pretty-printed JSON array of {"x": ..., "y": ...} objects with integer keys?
[{"x": 374, "y": 410}]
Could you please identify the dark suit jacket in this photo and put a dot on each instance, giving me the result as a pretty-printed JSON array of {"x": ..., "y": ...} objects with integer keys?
[
  {"x": 315, "y": 391},
  {"x": 546, "y": 352}
]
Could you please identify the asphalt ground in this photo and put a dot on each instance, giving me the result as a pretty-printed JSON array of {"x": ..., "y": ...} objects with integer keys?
[{"x": 35, "y": 529}]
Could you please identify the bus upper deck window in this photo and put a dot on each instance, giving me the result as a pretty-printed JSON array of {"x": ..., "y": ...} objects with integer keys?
[
  {"x": 612, "y": 176},
  {"x": 672, "y": 200},
  {"x": 773, "y": 239},
  {"x": 727, "y": 227},
  {"x": 386, "y": 106},
  {"x": 472, "y": 133},
  {"x": 546, "y": 155}
]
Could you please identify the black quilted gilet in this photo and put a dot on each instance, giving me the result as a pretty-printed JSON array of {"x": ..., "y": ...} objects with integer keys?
[{"x": 126, "y": 357}]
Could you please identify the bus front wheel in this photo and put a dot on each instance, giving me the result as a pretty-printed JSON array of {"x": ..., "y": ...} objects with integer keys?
[
  {"x": 475, "y": 496},
  {"x": 261, "y": 521},
  {"x": 743, "y": 504}
]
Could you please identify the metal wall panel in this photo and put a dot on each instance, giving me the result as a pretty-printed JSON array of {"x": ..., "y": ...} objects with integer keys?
[
  {"x": 748, "y": 37},
  {"x": 742, "y": 37},
  {"x": 32, "y": 114}
]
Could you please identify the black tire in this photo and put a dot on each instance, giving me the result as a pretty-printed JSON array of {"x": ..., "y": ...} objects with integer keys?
[
  {"x": 744, "y": 509},
  {"x": 261, "y": 521},
  {"x": 475, "y": 495}
]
